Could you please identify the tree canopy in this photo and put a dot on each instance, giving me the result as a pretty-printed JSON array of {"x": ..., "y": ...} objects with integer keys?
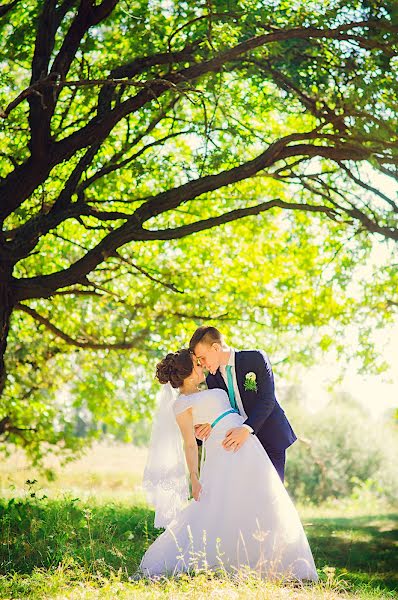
[{"x": 131, "y": 129}]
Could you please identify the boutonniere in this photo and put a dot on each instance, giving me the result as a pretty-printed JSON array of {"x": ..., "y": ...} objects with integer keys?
[{"x": 250, "y": 382}]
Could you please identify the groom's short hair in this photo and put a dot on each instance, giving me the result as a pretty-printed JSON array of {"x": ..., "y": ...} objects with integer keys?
[{"x": 206, "y": 335}]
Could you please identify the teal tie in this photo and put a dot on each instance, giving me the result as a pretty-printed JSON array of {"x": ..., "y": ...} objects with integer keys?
[{"x": 231, "y": 391}]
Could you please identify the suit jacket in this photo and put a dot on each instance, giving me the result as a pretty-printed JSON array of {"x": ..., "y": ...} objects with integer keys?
[{"x": 265, "y": 415}]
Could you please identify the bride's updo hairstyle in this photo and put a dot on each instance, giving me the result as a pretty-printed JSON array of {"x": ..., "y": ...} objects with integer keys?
[{"x": 175, "y": 367}]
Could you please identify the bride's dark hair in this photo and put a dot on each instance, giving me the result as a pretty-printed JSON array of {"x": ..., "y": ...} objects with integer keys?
[{"x": 175, "y": 367}]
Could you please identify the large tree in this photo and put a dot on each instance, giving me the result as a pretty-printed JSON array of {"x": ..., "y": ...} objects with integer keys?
[{"x": 132, "y": 124}]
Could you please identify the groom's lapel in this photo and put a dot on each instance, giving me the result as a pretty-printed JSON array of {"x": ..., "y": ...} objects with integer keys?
[{"x": 239, "y": 369}]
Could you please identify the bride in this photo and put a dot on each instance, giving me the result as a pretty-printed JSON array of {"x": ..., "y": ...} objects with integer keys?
[{"x": 241, "y": 516}]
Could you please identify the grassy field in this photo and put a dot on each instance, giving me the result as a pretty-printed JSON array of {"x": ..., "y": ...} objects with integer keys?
[{"x": 83, "y": 534}]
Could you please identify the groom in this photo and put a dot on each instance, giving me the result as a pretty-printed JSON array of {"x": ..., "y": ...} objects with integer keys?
[{"x": 248, "y": 379}]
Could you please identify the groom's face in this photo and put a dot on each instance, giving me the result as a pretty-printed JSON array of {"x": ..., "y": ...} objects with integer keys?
[{"x": 209, "y": 356}]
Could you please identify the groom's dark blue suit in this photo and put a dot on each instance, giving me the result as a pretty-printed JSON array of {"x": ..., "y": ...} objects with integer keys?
[{"x": 265, "y": 415}]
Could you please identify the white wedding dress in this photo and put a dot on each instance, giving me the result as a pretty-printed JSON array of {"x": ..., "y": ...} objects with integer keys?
[{"x": 244, "y": 518}]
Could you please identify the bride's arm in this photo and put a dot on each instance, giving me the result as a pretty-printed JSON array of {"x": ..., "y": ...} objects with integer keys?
[{"x": 185, "y": 423}]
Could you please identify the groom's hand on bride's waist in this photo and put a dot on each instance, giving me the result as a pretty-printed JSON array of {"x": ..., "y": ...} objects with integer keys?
[
  {"x": 235, "y": 438},
  {"x": 202, "y": 431}
]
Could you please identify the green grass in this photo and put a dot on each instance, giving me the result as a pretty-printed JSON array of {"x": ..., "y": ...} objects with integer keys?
[
  {"x": 58, "y": 546},
  {"x": 83, "y": 535}
]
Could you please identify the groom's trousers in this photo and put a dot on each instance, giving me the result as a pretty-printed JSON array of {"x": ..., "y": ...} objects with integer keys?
[{"x": 278, "y": 459}]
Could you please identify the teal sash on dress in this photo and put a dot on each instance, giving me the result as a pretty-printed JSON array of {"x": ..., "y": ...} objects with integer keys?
[{"x": 232, "y": 410}]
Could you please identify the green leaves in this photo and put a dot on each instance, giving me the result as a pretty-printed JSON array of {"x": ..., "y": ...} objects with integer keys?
[{"x": 161, "y": 124}]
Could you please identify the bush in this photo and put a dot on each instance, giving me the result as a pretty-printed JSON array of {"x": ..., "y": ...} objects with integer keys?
[{"x": 339, "y": 449}]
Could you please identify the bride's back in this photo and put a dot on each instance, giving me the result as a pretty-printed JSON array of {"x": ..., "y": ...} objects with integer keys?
[{"x": 206, "y": 405}]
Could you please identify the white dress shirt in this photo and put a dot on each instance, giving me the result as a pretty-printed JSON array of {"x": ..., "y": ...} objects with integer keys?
[{"x": 238, "y": 399}]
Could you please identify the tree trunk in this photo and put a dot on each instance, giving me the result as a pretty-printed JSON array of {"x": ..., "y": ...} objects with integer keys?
[{"x": 6, "y": 306}]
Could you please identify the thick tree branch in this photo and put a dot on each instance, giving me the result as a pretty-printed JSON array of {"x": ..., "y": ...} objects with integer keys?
[
  {"x": 51, "y": 82},
  {"x": 43, "y": 101},
  {"x": 20, "y": 183},
  {"x": 42, "y": 224},
  {"x": 88, "y": 16},
  {"x": 67, "y": 147},
  {"x": 234, "y": 215},
  {"x": 130, "y": 70},
  {"x": 38, "y": 100},
  {"x": 279, "y": 150},
  {"x": 44, "y": 286},
  {"x": 7, "y": 428},
  {"x": 5, "y": 8},
  {"x": 75, "y": 342}
]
